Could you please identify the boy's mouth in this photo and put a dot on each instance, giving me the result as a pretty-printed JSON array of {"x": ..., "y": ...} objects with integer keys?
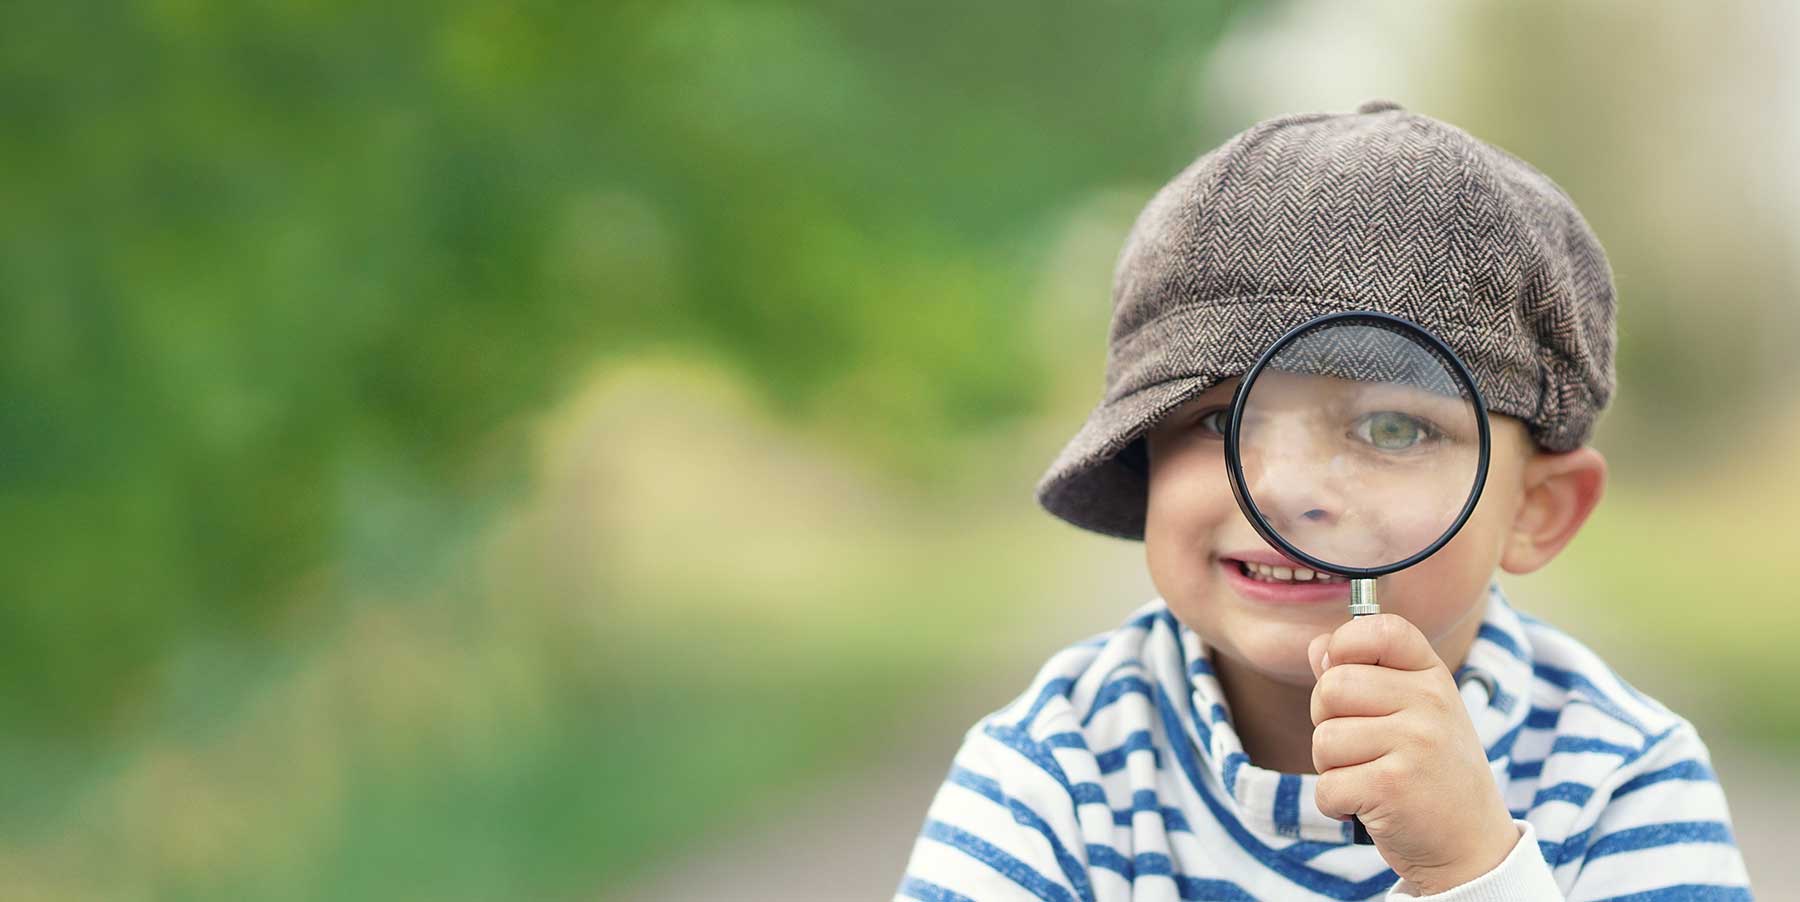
[
  {"x": 1271, "y": 574},
  {"x": 1281, "y": 583}
]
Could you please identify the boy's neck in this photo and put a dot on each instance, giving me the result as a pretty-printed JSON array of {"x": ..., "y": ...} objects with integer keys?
[{"x": 1278, "y": 735}]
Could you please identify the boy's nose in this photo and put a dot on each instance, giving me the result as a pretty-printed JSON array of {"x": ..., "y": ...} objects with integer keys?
[
  {"x": 1294, "y": 513},
  {"x": 1315, "y": 515},
  {"x": 1295, "y": 495}
]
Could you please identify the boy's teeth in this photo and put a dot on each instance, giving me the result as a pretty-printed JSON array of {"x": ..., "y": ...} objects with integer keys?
[{"x": 1269, "y": 573}]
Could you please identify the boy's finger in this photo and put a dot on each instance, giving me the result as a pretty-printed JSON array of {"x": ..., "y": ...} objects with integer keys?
[
  {"x": 1389, "y": 640},
  {"x": 1362, "y": 690},
  {"x": 1314, "y": 649},
  {"x": 1347, "y": 741}
]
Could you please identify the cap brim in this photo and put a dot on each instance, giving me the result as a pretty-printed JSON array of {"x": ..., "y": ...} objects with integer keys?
[{"x": 1088, "y": 485}]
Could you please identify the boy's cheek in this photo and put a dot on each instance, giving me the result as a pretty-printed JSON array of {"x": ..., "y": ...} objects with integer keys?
[
  {"x": 1450, "y": 587},
  {"x": 1441, "y": 592}
]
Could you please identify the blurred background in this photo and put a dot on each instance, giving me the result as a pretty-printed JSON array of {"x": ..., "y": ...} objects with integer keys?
[{"x": 585, "y": 451}]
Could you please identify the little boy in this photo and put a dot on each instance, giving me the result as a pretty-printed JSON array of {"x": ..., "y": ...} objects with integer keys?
[{"x": 1216, "y": 745}]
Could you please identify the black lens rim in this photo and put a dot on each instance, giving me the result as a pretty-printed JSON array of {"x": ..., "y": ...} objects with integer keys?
[{"x": 1234, "y": 462}]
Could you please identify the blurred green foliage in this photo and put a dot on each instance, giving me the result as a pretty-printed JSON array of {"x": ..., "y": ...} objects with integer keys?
[
  {"x": 285, "y": 284},
  {"x": 279, "y": 277}
]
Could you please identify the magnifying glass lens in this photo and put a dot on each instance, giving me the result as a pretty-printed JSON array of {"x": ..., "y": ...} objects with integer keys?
[{"x": 1359, "y": 444}]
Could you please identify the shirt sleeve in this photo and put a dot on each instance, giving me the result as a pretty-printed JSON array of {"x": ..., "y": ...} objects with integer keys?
[
  {"x": 1523, "y": 876},
  {"x": 1001, "y": 828},
  {"x": 1664, "y": 832}
]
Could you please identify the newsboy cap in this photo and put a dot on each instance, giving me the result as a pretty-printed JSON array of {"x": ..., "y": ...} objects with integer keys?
[{"x": 1309, "y": 213}]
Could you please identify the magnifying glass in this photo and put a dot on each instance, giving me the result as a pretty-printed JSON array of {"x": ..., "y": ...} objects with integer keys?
[{"x": 1358, "y": 446}]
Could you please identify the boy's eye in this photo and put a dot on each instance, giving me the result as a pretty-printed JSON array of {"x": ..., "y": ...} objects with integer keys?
[
  {"x": 1215, "y": 421},
  {"x": 1391, "y": 430}
]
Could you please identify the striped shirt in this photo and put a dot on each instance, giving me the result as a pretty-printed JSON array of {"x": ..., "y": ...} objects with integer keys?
[{"x": 1118, "y": 775}]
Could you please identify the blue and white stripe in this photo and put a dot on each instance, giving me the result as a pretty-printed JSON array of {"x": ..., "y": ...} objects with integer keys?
[{"x": 1118, "y": 775}]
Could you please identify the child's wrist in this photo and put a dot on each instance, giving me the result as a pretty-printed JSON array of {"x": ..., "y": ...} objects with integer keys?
[{"x": 1496, "y": 844}]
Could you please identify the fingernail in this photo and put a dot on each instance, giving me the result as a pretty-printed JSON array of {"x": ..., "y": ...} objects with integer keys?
[{"x": 1325, "y": 661}]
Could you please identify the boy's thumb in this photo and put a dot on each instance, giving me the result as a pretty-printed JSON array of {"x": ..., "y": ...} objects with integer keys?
[{"x": 1316, "y": 650}]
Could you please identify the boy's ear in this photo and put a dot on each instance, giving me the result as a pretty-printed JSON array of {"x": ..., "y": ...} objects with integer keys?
[{"x": 1561, "y": 489}]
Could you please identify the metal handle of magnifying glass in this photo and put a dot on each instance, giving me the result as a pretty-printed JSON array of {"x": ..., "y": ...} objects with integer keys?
[
  {"x": 1362, "y": 598},
  {"x": 1362, "y": 604}
]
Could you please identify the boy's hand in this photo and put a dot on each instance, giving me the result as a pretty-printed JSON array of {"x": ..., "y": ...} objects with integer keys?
[{"x": 1394, "y": 746}]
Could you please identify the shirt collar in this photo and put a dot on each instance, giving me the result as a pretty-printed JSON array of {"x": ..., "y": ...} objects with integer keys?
[{"x": 1495, "y": 679}]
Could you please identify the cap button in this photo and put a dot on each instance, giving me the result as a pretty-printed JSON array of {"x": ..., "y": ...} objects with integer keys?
[{"x": 1376, "y": 106}]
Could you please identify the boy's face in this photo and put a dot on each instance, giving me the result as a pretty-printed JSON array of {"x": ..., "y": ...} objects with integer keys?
[{"x": 1194, "y": 531}]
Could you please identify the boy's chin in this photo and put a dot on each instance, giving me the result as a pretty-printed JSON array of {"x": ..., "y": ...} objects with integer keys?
[{"x": 1275, "y": 651}]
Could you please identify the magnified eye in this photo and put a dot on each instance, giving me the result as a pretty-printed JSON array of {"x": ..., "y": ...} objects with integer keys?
[{"x": 1391, "y": 430}]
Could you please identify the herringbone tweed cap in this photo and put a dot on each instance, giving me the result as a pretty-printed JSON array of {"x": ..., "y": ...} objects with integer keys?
[{"x": 1381, "y": 209}]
